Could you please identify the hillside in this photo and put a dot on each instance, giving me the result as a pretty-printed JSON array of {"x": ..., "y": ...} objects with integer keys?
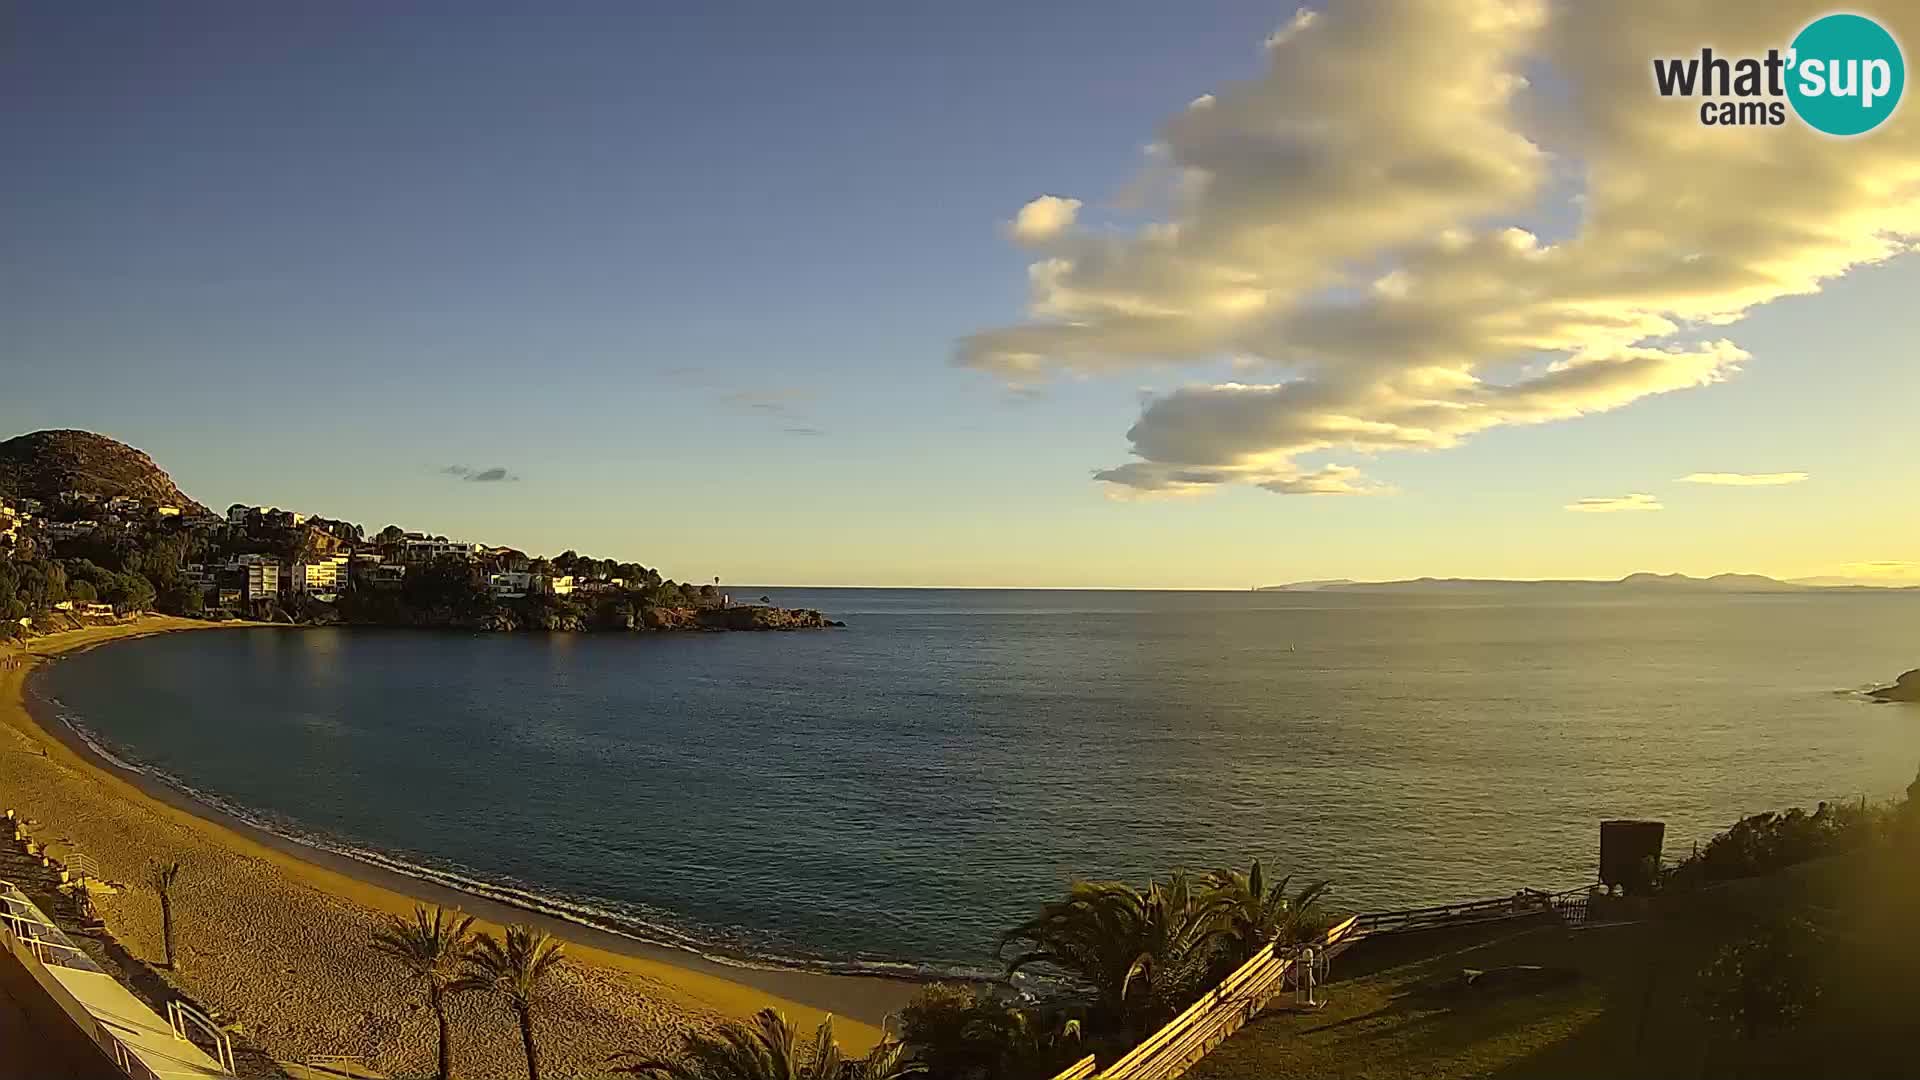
[{"x": 43, "y": 464}]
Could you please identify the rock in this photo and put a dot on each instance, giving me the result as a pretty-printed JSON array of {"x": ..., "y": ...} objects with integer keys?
[
  {"x": 755, "y": 617},
  {"x": 1904, "y": 688}
]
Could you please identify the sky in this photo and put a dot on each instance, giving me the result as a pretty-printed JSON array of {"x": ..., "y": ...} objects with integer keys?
[{"x": 1076, "y": 295}]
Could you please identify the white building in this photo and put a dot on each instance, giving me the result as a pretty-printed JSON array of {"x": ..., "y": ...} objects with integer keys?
[
  {"x": 261, "y": 576},
  {"x": 323, "y": 578},
  {"x": 237, "y": 513},
  {"x": 67, "y": 530},
  {"x": 427, "y": 550},
  {"x": 511, "y": 584}
]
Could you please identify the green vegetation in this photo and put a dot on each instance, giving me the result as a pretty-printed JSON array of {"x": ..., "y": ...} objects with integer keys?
[
  {"x": 514, "y": 967},
  {"x": 1130, "y": 958},
  {"x": 768, "y": 1047},
  {"x": 1806, "y": 966},
  {"x": 975, "y": 1033},
  {"x": 433, "y": 946}
]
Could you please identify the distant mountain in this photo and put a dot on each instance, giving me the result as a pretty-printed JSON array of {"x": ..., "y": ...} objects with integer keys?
[
  {"x": 45, "y": 463},
  {"x": 1308, "y": 586},
  {"x": 1643, "y": 582}
]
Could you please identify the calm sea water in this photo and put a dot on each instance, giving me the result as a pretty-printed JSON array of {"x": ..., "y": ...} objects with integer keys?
[{"x": 903, "y": 790}]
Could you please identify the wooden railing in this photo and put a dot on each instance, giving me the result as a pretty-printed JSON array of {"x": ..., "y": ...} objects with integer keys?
[{"x": 1216, "y": 1016}]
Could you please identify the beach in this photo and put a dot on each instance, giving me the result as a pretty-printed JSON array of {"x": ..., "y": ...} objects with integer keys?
[{"x": 275, "y": 937}]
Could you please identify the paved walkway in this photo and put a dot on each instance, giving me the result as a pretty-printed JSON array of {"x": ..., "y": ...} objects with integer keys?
[{"x": 127, "y": 1018}]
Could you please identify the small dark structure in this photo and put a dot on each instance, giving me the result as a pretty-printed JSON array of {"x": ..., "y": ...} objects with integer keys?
[{"x": 1630, "y": 855}]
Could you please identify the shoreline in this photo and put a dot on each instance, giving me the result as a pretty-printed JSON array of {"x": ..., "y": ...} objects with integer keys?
[{"x": 687, "y": 980}]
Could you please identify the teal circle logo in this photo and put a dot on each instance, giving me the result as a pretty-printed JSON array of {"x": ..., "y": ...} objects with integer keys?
[{"x": 1845, "y": 74}]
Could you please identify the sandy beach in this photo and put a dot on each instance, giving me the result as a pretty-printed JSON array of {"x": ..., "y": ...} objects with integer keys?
[{"x": 275, "y": 936}]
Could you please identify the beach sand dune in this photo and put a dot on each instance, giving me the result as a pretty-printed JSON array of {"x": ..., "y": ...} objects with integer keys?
[{"x": 279, "y": 944}]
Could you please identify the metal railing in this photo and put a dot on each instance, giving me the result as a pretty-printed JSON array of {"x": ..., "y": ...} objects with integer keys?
[
  {"x": 184, "y": 1017},
  {"x": 21, "y": 924}
]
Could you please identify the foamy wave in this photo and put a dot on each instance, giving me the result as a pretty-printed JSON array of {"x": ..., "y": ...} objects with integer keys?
[
  {"x": 94, "y": 743},
  {"x": 580, "y": 911}
]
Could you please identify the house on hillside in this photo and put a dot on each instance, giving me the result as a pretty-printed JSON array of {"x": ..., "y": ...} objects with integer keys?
[{"x": 323, "y": 578}]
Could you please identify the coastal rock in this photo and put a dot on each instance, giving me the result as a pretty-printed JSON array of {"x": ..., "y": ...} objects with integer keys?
[
  {"x": 1904, "y": 688},
  {"x": 761, "y": 618},
  {"x": 744, "y": 617}
]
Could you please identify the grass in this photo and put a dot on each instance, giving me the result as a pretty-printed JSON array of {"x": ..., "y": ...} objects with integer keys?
[{"x": 1633, "y": 1011}]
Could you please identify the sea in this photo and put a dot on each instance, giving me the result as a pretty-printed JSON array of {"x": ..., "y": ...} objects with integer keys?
[{"x": 891, "y": 797}]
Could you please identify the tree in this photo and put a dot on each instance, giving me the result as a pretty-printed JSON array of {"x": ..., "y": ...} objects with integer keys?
[
  {"x": 514, "y": 967},
  {"x": 160, "y": 877},
  {"x": 1144, "y": 954},
  {"x": 433, "y": 946},
  {"x": 82, "y": 592},
  {"x": 768, "y": 1048},
  {"x": 1253, "y": 914}
]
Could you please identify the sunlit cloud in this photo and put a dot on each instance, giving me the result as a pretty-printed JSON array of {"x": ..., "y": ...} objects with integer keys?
[
  {"x": 1616, "y": 504},
  {"x": 1733, "y": 479},
  {"x": 1427, "y": 219},
  {"x": 1043, "y": 219}
]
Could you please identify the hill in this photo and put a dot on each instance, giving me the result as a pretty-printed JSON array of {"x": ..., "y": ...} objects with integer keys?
[
  {"x": 43, "y": 464},
  {"x": 1641, "y": 583}
]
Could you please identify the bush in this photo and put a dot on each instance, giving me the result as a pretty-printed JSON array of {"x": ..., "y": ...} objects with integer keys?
[
  {"x": 1772, "y": 841},
  {"x": 1765, "y": 981},
  {"x": 962, "y": 1032}
]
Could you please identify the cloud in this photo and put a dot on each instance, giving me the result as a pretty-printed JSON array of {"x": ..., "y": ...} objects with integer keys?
[
  {"x": 807, "y": 432},
  {"x": 1615, "y": 504},
  {"x": 780, "y": 401},
  {"x": 1734, "y": 479},
  {"x": 1430, "y": 218},
  {"x": 1044, "y": 219},
  {"x": 472, "y": 475}
]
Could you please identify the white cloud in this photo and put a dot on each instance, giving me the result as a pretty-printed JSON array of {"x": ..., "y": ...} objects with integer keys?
[
  {"x": 1734, "y": 479},
  {"x": 1615, "y": 504},
  {"x": 1044, "y": 218},
  {"x": 1402, "y": 243}
]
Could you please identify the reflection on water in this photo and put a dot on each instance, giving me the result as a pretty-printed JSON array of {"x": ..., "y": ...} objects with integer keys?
[{"x": 906, "y": 788}]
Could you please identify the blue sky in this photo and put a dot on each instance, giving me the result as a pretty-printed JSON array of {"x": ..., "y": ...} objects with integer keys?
[{"x": 697, "y": 281}]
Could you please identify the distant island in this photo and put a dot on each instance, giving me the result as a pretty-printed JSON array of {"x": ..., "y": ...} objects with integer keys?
[
  {"x": 1643, "y": 582},
  {"x": 91, "y": 529}
]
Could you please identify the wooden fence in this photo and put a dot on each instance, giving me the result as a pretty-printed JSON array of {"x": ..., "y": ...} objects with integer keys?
[{"x": 1210, "y": 1021}]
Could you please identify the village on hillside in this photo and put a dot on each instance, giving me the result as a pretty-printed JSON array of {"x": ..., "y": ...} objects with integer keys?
[{"x": 85, "y": 556}]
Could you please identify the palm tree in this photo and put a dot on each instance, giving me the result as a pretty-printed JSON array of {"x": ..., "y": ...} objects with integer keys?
[
  {"x": 160, "y": 876},
  {"x": 433, "y": 946},
  {"x": 1253, "y": 915},
  {"x": 1143, "y": 953},
  {"x": 767, "y": 1047},
  {"x": 514, "y": 967}
]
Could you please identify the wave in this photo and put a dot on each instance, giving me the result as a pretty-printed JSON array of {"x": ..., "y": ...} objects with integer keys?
[{"x": 591, "y": 913}]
